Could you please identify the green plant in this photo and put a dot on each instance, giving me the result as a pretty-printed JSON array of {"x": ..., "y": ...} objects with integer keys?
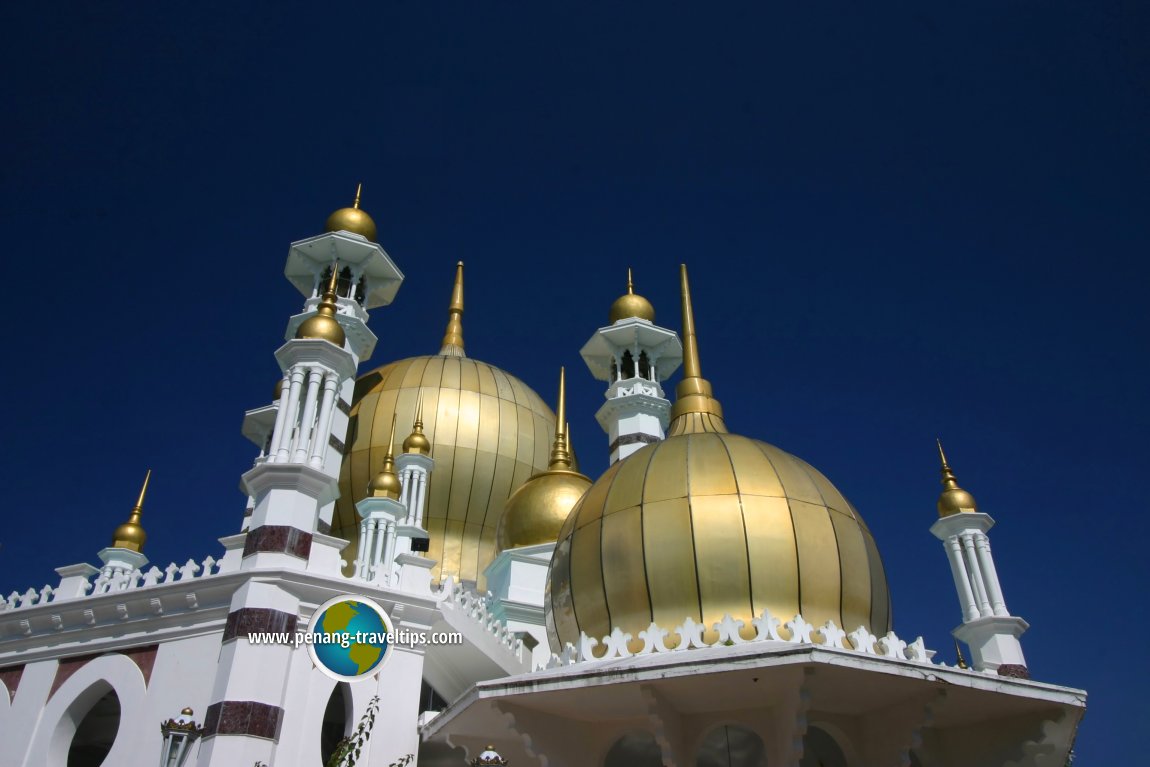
[{"x": 347, "y": 751}]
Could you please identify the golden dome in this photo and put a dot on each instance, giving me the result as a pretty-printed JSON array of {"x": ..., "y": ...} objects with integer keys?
[
  {"x": 631, "y": 304},
  {"x": 953, "y": 500},
  {"x": 386, "y": 484},
  {"x": 352, "y": 219},
  {"x": 417, "y": 441},
  {"x": 323, "y": 324},
  {"x": 535, "y": 513},
  {"x": 706, "y": 523},
  {"x": 488, "y": 432},
  {"x": 131, "y": 535}
]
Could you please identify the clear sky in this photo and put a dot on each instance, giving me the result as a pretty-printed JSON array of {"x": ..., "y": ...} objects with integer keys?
[{"x": 901, "y": 223}]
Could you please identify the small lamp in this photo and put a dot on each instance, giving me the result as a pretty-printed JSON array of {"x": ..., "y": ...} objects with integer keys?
[
  {"x": 179, "y": 733},
  {"x": 489, "y": 757}
]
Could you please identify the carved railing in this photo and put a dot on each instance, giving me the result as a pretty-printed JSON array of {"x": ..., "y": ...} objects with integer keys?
[
  {"x": 729, "y": 630},
  {"x": 105, "y": 581},
  {"x": 469, "y": 603}
]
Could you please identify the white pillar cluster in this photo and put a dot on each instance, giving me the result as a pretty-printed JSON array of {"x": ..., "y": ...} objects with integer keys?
[
  {"x": 304, "y": 416},
  {"x": 377, "y": 538},
  {"x": 415, "y": 475}
]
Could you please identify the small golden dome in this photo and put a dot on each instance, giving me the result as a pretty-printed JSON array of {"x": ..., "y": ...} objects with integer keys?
[
  {"x": 131, "y": 535},
  {"x": 352, "y": 220},
  {"x": 187, "y": 711},
  {"x": 417, "y": 442},
  {"x": 386, "y": 484},
  {"x": 631, "y": 304},
  {"x": 323, "y": 325},
  {"x": 953, "y": 500},
  {"x": 535, "y": 513}
]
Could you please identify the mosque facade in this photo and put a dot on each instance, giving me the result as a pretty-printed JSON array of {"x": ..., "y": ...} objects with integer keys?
[{"x": 709, "y": 600}]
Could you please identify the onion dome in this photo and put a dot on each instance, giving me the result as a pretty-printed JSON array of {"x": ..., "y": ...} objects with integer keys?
[
  {"x": 535, "y": 513},
  {"x": 386, "y": 483},
  {"x": 489, "y": 432},
  {"x": 352, "y": 219},
  {"x": 417, "y": 441},
  {"x": 323, "y": 324},
  {"x": 707, "y": 523},
  {"x": 131, "y": 535},
  {"x": 953, "y": 500},
  {"x": 631, "y": 304}
]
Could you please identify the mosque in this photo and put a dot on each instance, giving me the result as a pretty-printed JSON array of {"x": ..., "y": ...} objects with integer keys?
[{"x": 709, "y": 600}]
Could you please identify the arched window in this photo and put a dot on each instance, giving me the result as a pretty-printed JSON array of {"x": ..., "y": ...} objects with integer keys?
[
  {"x": 644, "y": 366},
  {"x": 635, "y": 749},
  {"x": 732, "y": 746},
  {"x": 336, "y": 718},
  {"x": 95, "y": 733},
  {"x": 614, "y": 370},
  {"x": 361, "y": 290},
  {"x": 821, "y": 750},
  {"x": 343, "y": 284},
  {"x": 628, "y": 365}
]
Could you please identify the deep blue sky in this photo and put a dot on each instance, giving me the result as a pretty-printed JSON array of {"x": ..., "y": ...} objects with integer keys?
[{"x": 901, "y": 223}]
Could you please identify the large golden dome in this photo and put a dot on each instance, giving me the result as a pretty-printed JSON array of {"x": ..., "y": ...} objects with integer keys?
[
  {"x": 707, "y": 523},
  {"x": 488, "y": 431}
]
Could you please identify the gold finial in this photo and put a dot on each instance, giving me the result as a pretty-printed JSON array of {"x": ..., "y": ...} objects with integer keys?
[
  {"x": 953, "y": 499},
  {"x": 630, "y": 304},
  {"x": 353, "y": 219},
  {"x": 696, "y": 408},
  {"x": 417, "y": 442},
  {"x": 961, "y": 660},
  {"x": 453, "y": 338},
  {"x": 386, "y": 484},
  {"x": 560, "y": 455},
  {"x": 323, "y": 324},
  {"x": 131, "y": 535}
]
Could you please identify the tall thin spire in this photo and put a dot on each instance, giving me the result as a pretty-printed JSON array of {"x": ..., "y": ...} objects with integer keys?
[
  {"x": 630, "y": 284},
  {"x": 453, "y": 337},
  {"x": 386, "y": 483},
  {"x": 417, "y": 441},
  {"x": 323, "y": 324},
  {"x": 358, "y": 190},
  {"x": 560, "y": 454},
  {"x": 953, "y": 498},
  {"x": 695, "y": 409},
  {"x": 131, "y": 535}
]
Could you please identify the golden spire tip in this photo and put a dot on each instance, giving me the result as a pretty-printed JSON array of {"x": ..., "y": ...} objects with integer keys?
[
  {"x": 560, "y": 455},
  {"x": 143, "y": 490},
  {"x": 453, "y": 338},
  {"x": 630, "y": 284},
  {"x": 941, "y": 455},
  {"x": 358, "y": 190},
  {"x": 693, "y": 395}
]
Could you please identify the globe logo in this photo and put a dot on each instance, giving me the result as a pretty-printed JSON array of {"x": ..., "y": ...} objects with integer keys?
[{"x": 350, "y": 638}]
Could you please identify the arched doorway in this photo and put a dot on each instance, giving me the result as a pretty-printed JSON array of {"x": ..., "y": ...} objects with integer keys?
[
  {"x": 95, "y": 733},
  {"x": 635, "y": 749},
  {"x": 335, "y": 725},
  {"x": 821, "y": 750},
  {"x": 731, "y": 746}
]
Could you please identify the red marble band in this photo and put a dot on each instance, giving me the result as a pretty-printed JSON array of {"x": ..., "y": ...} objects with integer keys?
[
  {"x": 278, "y": 540},
  {"x": 247, "y": 620},
  {"x": 243, "y": 717}
]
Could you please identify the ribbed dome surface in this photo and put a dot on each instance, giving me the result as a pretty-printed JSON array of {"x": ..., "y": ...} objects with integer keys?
[
  {"x": 704, "y": 524},
  {"x": 489, "y": 432}
]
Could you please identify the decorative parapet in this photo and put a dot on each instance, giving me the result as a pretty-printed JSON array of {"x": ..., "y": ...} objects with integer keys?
[
  {"x": 768, "y": 628},
  {"x": 78, "y": 585},
  {"x": 454, "y": 596}
]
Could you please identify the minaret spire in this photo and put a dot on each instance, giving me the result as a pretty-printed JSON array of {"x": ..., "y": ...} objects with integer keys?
[
  {"x": 695, "y": 409},
  {"x": 386, "y": 483},
  {"x": 953, "y": 499},
  {"x": 323, "y": 324},
  {"x": 453, "y": 337},
  {"x": 358, "y": 190},
  {"x": 131, "y": 535},
  {"x": 630, "y": 284},
  {"x": 560, "y": 455}
]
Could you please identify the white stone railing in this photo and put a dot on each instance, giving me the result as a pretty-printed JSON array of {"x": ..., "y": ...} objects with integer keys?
[
  {"x": 103, "y": 582},
  {"x": 477, "y": 608},
  {"x": 767, "y": 629}
]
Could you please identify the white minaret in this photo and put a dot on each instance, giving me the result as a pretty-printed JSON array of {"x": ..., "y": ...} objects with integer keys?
[
  {"x": 633, "y": 355},
  {"x": 987, "y": 627},
  {"x": 295, "y": 482},
  {"x": 381, "y": 511},
  {"x": 415, "y": 465}
]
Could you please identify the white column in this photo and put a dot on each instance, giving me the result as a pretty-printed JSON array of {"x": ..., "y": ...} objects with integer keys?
[
  {"x": 388, "y": 563},
  {"x": 323, "y": 423},
  {"x": 986, "y": 561},
  {"x": 281, "y": 417},
  {"x": 284, "y": 437},
  {"x": 302, "y": 441},
  {"x": 420, "y": 499},
  {"x": 976, "y": 576},
  {"x": 377, "y": 548},
  {"x": 364, "y": 550},
  {"x": 961, "y": 580}
]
